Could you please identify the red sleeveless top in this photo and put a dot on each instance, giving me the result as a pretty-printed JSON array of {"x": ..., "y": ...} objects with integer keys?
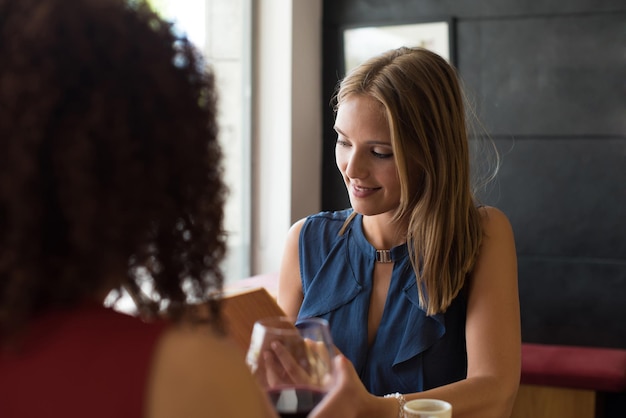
[{"x": 87, "y": 362}]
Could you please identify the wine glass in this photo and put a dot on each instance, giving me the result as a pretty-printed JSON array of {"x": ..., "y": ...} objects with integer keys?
[{"x": 292, "y": 362}]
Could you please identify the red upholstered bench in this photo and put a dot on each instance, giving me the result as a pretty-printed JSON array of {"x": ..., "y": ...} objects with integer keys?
[
  {"x": 599, "y": 369},
  {"x": 564, "y": 381}
]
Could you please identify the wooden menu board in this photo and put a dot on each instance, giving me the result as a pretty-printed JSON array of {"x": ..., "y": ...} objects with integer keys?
[{"x": 240, "y": 311}]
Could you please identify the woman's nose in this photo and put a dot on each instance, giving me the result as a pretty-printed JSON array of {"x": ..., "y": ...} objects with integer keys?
[{"x": 356, "y": 166}]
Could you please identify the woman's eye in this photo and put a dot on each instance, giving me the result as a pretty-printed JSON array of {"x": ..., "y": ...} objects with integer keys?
[
  {"x": 342, "y": 143},
  {"x": 382, "y": 155}
]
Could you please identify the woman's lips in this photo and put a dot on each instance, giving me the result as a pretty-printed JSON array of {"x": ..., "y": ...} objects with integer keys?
[{"x": 361, "y": 191}]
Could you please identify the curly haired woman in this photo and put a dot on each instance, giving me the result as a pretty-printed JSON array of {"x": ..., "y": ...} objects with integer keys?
[{"x": 110, "y": 179}]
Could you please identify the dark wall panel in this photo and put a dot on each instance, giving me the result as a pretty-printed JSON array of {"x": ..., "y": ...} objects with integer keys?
[
  {"x": 572, "y": 301},
  {"x": 367, "y": 11},
  {"x": 554, "y": 75},
  {"x": 548, "y": 80},
  {"x": 564, "y": 197}
]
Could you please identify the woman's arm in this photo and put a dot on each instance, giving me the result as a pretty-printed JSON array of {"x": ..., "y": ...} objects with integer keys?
[
  {"x": 493, "y": 339},
  {"x": 493, "y": 334},
  {"x": 289, "y": 280}
]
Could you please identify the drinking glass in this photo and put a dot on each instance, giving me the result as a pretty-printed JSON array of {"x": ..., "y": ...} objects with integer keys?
[{"x": 292, "y": 362}]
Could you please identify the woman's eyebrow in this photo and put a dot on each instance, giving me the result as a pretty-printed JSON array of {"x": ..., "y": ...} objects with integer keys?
[
  {"x": 370, "y": 142},
  {"x": 339, "y": 131}
]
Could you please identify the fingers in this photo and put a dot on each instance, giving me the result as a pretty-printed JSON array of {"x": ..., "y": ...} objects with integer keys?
[
  {"x": 289, "y": 364},
  {"x": 347, "y": 386},
  {"x": 275, "y": 374},
  {"x": 320, "y": 360},
  {"x": 305, "y": 363}
]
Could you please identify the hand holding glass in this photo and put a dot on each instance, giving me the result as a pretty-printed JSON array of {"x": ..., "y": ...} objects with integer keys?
[{"x": 293, "y": 363}]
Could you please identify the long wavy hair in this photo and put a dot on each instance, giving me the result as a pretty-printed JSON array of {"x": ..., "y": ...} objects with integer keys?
[
  {"x": 110, "y": 168},
  {"x": 423, "y": 105}
]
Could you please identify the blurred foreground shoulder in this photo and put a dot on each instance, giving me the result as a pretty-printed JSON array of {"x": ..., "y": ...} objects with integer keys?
[{"x": 197, "y": 373}]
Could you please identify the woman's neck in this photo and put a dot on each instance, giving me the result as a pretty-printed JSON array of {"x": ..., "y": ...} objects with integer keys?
[{"x": 382, "y": 232}]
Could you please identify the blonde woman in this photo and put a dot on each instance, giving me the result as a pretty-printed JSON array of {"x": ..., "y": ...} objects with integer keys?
[{"x": 417, "y": 280}]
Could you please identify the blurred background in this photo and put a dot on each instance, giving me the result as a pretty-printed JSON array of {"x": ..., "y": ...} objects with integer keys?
[{"x": 547, "y": 81}]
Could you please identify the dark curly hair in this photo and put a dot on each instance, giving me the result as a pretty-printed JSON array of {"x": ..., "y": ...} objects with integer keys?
[{"x": 110, "y": 168}]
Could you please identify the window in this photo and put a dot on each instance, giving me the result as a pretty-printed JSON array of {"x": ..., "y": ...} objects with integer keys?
[
  {"x": 222, "y": 30},
  {"x": 287, "y": 115}
]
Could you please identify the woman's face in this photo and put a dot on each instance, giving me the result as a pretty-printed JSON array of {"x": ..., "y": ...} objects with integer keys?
[{"x": 364, "y": 156}]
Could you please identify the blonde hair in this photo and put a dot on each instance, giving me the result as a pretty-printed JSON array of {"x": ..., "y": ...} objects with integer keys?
[{"x": 423, "y": 103}]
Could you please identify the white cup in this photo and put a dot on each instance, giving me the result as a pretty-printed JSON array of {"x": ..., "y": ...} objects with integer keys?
[{"x": 427, "y": 408}]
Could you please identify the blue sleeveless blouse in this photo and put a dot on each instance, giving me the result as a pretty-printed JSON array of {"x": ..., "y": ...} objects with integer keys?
[{"x": 411, "y": 352}]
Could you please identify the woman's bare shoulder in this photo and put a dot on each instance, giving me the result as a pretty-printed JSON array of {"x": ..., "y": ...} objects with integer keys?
[
  {"x": 297, "y": 227},
  {"x": 195, "y": 371},
  {"x": 494, "y": 220}
]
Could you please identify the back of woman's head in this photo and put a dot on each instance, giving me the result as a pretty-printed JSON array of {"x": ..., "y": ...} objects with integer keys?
[{"x": 110, "y": 170}]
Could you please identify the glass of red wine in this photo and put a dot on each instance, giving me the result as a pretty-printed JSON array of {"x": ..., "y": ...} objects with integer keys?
[{"x": 292, "y": 362}]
